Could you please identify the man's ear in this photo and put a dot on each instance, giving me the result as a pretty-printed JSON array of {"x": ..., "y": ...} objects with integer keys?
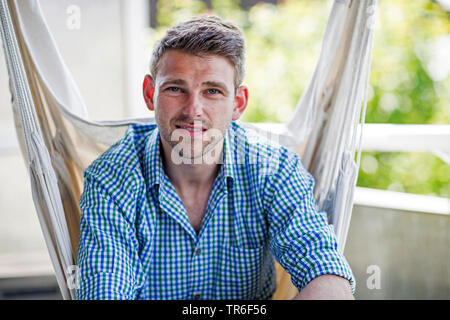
[
  {"x": 240, "y": 102},
  {"x": 149, "y": 91}
]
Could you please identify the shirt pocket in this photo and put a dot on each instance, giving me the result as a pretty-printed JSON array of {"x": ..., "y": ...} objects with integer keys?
[{"x": 239, "y": 272}]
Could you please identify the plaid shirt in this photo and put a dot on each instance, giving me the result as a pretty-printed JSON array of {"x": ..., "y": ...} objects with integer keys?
[{"x": 136, "y": 241}]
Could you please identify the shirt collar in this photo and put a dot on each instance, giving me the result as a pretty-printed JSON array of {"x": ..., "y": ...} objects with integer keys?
[
  {"x": 153, "y": 167},
  {"x": 228, "y": 150}
]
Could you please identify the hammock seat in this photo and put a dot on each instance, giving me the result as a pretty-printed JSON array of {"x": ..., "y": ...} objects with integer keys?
[{"x": 58, "y": 141}]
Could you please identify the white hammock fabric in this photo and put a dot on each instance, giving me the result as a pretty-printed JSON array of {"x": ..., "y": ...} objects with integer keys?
[{"x": 59, "y": 141}]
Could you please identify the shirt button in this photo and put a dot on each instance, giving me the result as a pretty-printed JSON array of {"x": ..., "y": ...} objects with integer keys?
[
  {"x": 198, "y": 251},
  {"x": 197, "y": 296}
]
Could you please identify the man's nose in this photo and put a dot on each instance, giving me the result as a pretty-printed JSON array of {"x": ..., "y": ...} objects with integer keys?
[{"x": 194, "y": 108}]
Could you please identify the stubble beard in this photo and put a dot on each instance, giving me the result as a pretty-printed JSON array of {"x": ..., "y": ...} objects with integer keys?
[{"x": 194, "y": 150}]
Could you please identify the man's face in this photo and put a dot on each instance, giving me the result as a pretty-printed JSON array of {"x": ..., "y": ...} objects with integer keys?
[{"x": 194, "y": 100}]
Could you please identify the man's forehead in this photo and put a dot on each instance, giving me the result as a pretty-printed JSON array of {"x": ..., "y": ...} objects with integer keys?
[{"x": 178, "y": 66}]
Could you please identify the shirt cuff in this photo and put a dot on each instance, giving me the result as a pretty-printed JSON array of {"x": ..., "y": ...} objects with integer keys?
[
  {"x": 105, "y": 286},
  {"x": 319, "y": 263}
]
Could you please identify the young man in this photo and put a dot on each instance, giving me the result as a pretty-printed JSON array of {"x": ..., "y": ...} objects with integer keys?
[{"x": 192, "y": 208}]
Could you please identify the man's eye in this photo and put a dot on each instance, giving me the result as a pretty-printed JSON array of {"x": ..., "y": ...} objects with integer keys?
[
  {"x": 213, "y": 91},
  {"x": 173, "y": 89}
]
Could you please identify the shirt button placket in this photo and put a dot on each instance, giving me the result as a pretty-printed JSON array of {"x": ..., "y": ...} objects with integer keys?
[{"x": 196, "y": 294}]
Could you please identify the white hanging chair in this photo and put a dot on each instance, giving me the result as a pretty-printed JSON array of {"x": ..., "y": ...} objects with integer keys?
[{"x": 58, "y": 141}]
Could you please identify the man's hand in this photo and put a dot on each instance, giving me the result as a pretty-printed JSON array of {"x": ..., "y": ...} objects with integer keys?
[{"x": 326, "y": 287}]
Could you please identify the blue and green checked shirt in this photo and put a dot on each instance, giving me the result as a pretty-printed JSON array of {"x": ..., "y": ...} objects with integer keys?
[{"x": 136, "y": 241}]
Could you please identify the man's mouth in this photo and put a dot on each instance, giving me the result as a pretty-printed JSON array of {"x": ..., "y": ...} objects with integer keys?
[{"x": 191, "y": 129}]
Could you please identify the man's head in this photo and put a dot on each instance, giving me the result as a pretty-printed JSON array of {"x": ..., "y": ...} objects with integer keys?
[{"x": 194, "y": 87}]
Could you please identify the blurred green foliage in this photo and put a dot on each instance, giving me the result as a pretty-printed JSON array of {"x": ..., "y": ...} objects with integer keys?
[{"x": 409, "y": 82}]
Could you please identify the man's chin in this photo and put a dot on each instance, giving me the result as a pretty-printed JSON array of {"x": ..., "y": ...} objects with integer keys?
[{"x": 202, "y": 155}]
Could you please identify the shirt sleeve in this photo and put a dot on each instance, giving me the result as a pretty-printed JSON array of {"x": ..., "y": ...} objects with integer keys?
[
  {"x": 301, "y": 239},
  {"x": 108, "y": 262}
]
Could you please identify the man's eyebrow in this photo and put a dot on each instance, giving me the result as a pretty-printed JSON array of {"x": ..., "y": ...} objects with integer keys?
[
  {"x": 181, "y": 82},
  {"x": 217, "y": 84},
  {"x": 174, "y": 81}
]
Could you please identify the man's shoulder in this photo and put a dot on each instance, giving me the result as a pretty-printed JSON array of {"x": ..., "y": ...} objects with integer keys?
[
  {"x": 260, "y": 148},
  {"x": 267, "y": 165},
  {"x": 126, "y": 154}
]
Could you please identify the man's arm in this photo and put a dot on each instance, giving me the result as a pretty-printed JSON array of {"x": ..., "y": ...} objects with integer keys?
[
  {"x": 108, "y": 261},
  {"x": 301, "y": 239},
  {"x": 326, "y": 287}
]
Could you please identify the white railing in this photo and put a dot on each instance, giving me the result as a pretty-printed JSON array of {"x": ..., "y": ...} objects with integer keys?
[
  {"x": 381, "y": 137},
  {"x": 433, "y": 138},
  {"x": 368, "y": 197}
]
